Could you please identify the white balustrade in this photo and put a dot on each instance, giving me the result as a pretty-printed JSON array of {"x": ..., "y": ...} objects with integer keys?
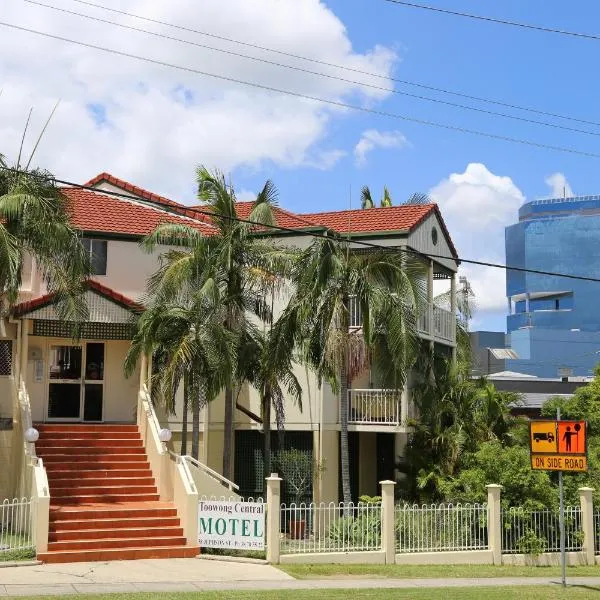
[{"x": 376, "y": 407}]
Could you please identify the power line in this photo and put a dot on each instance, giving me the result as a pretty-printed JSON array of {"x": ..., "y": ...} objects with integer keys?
[
  {"x": 336, "y": 103},
  {"x": 337, "y": 66},
  {"x": 339, "y": 236},
  {"x": 577, "y": 34},
  {"x": 317, "y": 73}
]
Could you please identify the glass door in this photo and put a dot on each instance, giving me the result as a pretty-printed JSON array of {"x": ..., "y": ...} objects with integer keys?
[
  {"x": 93, "y": 385},
  {"x": 76, "y": 393},
  {"x": 64, "y": 387}
]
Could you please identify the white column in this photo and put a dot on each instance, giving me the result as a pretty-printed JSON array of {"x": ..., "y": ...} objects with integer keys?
[
  {"x": 273, "y": 517},
  {"x": 587, "y": 522},
  {"x": 495, "y": 522},
  {"x": 24, "y": 349},
  {"x": 388, "y": 534}
]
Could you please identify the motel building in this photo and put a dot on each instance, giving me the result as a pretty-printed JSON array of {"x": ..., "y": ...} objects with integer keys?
[{"x": 105, "y": 473}]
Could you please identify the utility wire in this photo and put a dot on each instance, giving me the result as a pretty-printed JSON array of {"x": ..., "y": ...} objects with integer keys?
[
  {"x": 339, "y": 237},
  {"x": 337, "y": 66},
  {"x": 577, "y": 34},
  {"x": 317, "y": 73},
  {"x": 336, "y": 103}
]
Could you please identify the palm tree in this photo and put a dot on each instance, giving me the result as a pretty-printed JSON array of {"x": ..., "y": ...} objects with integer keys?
[
  {"x": 234, "y": 262},
  {"x": 35, "y": 222},
  {"x": 386, "y": 201},
  {"x": 186, "y": 336},
  {"x": 366, "y": 200},
  {"x": 265, "y": 361},
  {"x": 388, "y": 290}
]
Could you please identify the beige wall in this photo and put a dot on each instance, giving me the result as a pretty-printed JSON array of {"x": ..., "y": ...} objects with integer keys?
[
  {"x": 120, "y": 393},
  {"x": 5, "y": 460}
]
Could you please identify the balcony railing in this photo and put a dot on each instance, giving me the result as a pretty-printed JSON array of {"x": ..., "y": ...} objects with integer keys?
[
  {"x": 374, "y": 407},
  {"x": 436, "y": 322}
]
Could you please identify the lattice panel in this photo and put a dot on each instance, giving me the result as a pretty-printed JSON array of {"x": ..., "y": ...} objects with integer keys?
[
  {"x": 101, "y": 310},
  {"x": 5, "y": 357},
  {"x": 90, "y": 331}
]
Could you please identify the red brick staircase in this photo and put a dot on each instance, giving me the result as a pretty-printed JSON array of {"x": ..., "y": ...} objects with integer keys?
[{"x": 104, "y": 503}]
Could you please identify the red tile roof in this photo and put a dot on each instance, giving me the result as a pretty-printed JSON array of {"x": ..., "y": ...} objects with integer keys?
[
  {"x": 31, "y": 305},
  {"x": 379, "y": 220},
  {"x": 132, "y": 189},
  {"x": 95, "y": 211}
]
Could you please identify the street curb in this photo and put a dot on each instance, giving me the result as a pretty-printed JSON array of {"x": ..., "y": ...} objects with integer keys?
[
  {"x": 20, "y": 563},
  {"x": 238, "y": 559}
]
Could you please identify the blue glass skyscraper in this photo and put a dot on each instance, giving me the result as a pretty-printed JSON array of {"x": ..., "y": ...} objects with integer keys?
[{"x": 554, "y": 322}]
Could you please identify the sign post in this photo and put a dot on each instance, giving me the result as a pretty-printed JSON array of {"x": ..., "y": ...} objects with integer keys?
[
  {"x": 559, "y": 446},
  {"x": 561, "y": 519}
]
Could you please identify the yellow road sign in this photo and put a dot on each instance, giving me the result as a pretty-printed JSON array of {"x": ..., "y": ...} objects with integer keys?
[
  {"x": 543, "y": 437},
  {"x": 558, "y": 462}
]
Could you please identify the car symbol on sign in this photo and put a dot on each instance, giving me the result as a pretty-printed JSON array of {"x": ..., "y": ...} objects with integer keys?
[{"x": 546, "y": 436}]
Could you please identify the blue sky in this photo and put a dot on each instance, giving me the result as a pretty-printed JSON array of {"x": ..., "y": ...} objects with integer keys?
[{"x": 151, "y": 125}]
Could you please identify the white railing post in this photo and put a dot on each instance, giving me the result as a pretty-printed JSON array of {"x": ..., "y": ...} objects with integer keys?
[
  {"x": 587, "y": 524},
  {"x": 388, "y": 526},
  {"x": 41, "y": 519},
  {"x": 273, "y": 518},
  {"x": 494, "y": 522}
]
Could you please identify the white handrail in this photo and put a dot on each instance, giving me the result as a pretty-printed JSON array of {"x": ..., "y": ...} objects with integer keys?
[
  {"x": 212, "y": 473},
  {"x": 181, "y": 460}
]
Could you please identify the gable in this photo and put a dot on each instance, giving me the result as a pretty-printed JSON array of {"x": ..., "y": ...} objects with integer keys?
[{"x": 422, "y": 238}]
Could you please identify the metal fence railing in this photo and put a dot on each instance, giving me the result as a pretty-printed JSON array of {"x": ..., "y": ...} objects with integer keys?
[
  {"x": 16, "y": 526},
  {"x": 330, "y": 527},
  {"x": 374, "y": 406},
  {"x": 597, "y": 531},
  {"x": 537, "y": 531},
  {"x": 440, "y": 527}
]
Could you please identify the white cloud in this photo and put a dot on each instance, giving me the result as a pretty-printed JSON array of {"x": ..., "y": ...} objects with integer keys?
[
  {"x": 245, "y": 196},
  {"x": 559, "y": 186},
  {"x": 477, "y": 205},
  {"x": 152, "y": 124},
  {"x": 372, "y": 139}
]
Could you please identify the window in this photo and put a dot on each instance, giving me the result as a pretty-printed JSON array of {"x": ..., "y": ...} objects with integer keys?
[
  {"x": 5, "y": 357},
  {"x": 97, "y": 251}
]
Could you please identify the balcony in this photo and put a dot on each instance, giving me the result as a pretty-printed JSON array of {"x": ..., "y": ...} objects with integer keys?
[
  {"x": 436, "y": 323},
  {"x": 374, "y": 407}
]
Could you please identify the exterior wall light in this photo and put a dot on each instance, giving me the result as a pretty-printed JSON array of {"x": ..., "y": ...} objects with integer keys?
[
  {"x": 32, "y": 435},
  {"x": 165, "y": 435}
]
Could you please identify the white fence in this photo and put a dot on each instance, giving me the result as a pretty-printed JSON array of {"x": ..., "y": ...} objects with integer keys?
[
  {"x": 441, "y": 528},
  {"x": 16, "y": 526},
  {"x": 381, "y": 407},
  {"x": 314, "y": 528},
  {"x": 538, "y": 531}
]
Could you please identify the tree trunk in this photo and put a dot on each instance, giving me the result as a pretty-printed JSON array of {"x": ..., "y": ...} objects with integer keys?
[
  {"x": 344, "y": 453},
  {"x": 196, "y": 404},
  {"x": 184, "y": 420},
  {"x": 228, "y": 434},
  {"x": 267, "y": 441}
]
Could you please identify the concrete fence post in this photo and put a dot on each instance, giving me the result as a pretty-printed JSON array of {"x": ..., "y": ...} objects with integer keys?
[
  {"x": 494, "y": 522},
  {"x": 388, "y": 533},
  {"x": 587, "y": 524},
  {"x": 273, "y": 518}
]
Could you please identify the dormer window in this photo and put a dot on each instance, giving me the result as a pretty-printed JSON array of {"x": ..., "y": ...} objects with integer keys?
[{"x": 97, "y": 250}]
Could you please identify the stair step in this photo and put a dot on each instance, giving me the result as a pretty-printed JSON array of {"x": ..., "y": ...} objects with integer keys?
[
  {"x": 89, "y": 435},
  {"x": 67, "y": 556},
  {"x": 99, "y": 482},
  {"x": 104, "y": 498},
  {"x": 104, "y": 490},
  {"x": 101, "y": 510},
  {"x": 96, "y": 544},
  {"x": 127, "y": 463},
  {"x": 94, "y": 459},
  {"x": 44, "y": 444},
  {"x": 57, "y": 475},
  {"x": 142, "y": 523},
  {"x": 89, "y": 450},
  {"x": 69, "y": 428},
  {"x": 129, "y": 533}
]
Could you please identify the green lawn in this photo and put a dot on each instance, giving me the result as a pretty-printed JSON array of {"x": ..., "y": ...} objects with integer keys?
[
  {"x": 433, "y": 571},
  {"x": 502, "y": 593}
]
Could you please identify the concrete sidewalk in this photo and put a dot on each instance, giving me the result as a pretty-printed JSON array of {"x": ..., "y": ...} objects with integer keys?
[{"x": 193, "y": 575}]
